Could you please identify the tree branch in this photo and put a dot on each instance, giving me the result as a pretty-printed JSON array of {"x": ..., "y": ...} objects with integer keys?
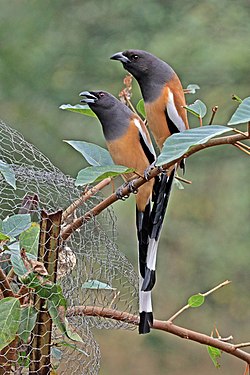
[
  {"x": 137, "y": 182},
  {"x": 86, "y": 195},
  {"x": 165, "y": 326}
]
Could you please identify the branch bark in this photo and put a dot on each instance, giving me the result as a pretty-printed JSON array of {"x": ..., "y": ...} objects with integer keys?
[
  {"x": 165, "y": 326},
  {"x": 137, "y": 182}
]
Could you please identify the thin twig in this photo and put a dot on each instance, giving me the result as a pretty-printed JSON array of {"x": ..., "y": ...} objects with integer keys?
[
  {"x": 219, "y": 336},
  {"x": 130, "y": 104},
  {"x": 214, "y": 110},
  {"x": 179, "y": 312},
  {"x": 162, "y": 326},
  {"x": 242, "y": 148},
  {"x": 243, "y": 145},
  {"x": 247, "y": 370},
  {"x": 216, "y": 288},
  {"x": 225, "y": 339},
  {"x": 183, "y": 180},
  {"x": 242, "y": 133},
  {"x": 242, "y": 345},
  {"x": 88, "y": 194}
]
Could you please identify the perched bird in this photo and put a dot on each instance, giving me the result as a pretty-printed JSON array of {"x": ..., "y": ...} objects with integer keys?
[
  {"x": 161, "y": 90},
  {"x": 163, "y": 98},
  {"x": 129, "y": 144}
]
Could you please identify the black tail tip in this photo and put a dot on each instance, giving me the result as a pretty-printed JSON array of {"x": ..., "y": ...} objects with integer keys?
[
  {"x": 146, "y": 321},
  {"x": 149, "y": 280}
]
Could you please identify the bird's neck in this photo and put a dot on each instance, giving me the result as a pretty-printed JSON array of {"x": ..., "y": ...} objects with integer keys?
[
  {"x": 152, "y": 83},
  {"x": 115, "y": 124},
  {"x": 150, "y": 90}
]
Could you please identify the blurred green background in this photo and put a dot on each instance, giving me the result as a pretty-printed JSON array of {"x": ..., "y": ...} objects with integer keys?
[{"x": 52, "y": 50}]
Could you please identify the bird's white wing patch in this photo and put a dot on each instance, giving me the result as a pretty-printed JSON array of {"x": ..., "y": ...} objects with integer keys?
[
  {"x": 144, "y": 136},
  {"x": 173, "y": 114}
]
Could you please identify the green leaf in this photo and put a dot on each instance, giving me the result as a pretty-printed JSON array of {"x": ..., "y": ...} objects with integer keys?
[
  {"x": 196, "y": 300},
  {"x": 10, "y": 312},
  {"x": 95, "y": 284},
  {"x": 57, "y": 316},
  {"x": 56, "y": 303},
  {"x": 16, "y": 224},
  {"x": 8, "y": 174},
  {"x": 52, "y": 292},
  {"x": 141, "y": 108},
  {"x": 94, "y": 154},
  {"x": 3, "y": 237},
  {"x": 56, "y": 353},
  {"x": 72, "y": 335},
  {"x": 31, "y": 280},
  {"x": 178, "y": 144},
  {"x": 29, "y": 239},
  {"x": 198, "y": 108},
  {"x": 96, "y": 174},
  {"x": 23, "y": 359},
  {"x": 191, "y": 89},
  {"x": 214, "y": 354},
  {"x": 82, "y": 109},
  {"x": 27, "y": 322},
  {"x": 236, "y": 98},
  {"x": 17, "y": 263},
  {"x": 242, "y": 113}
]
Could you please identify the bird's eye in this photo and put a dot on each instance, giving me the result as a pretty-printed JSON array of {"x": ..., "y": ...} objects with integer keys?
[
  {"x": 134, "y": 57},
  {"x": 101, "y": 94}
]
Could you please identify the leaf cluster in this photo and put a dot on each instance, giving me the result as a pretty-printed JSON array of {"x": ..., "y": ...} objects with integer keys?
[{"x": 19, "y": 240}]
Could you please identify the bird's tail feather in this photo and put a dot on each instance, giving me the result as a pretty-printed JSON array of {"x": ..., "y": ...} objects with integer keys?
[
  {"x": 145, "y": 308},
  {"x": 145, "y": 305},
  {"x": 160, "y": 202},
  {"x": 143, "y": 225},
  {"x": 149, "y": 224}
]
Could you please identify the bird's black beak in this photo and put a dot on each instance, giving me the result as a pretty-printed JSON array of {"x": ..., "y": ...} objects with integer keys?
[
  {"x": 89, "y": 97},
  {"x": 120, "y": 57}
]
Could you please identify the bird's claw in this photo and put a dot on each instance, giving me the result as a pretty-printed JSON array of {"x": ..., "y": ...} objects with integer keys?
[
  {"x": 119, "y": 192},
  {"x": 148, "y": 170},
  {"x": 161, "y": 169},
  {"x": 132, "y": 188}
]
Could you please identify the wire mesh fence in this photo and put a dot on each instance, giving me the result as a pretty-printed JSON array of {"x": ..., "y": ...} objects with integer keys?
[{"x": 42, "y": 275}]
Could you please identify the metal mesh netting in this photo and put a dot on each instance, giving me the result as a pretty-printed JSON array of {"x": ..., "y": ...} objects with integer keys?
[{"x": 90, "y": 270}]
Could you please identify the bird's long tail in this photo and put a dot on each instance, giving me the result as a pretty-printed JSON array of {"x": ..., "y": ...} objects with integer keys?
[
  {"x": 160, "y": 202},
  {"x": 149, "y": 224},
  {"x": 145, "y": 305}
]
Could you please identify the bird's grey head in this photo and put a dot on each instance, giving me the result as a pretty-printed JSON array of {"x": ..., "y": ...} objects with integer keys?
[
  {"x": 98, "y": 101},
  {"x": 113, "y": 114},
  {"x": 141, "y": 63},
  {"x": 150, "y": 71}
]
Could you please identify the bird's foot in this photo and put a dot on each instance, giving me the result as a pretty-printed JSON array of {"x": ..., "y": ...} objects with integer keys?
[
  {"x": 132, "y": 187},
  {"x": 119, "y": 192},
  {"x": 148, "y": 171}
]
